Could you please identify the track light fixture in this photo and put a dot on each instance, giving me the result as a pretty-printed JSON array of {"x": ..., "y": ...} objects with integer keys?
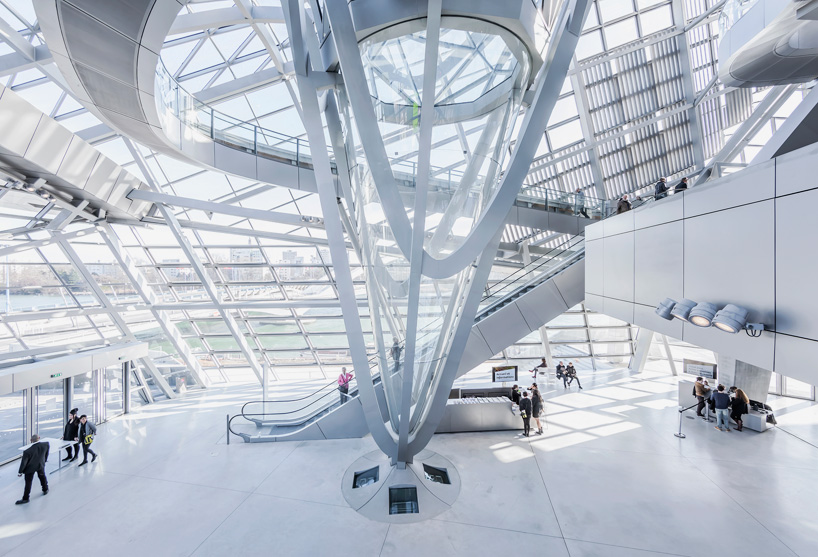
[
  {"x": 682, "y": 309},
  {"x": 702, "y": 315},
  {"x": 665, "y": 308},
  {"x": 731, "y": 318}
]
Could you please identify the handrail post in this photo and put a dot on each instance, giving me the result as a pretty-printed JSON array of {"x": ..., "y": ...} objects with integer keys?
[{"x": 228, "y": 429}]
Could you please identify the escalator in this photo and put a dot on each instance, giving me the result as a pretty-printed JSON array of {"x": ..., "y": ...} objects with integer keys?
[{"x": 510, "y": 309}]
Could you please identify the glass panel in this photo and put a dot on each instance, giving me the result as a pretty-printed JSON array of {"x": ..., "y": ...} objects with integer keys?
[
  {"x": 799, "y": 389},
  {"x": 12, "y": 424},
  {"x": 83, "y": 396},
  {"x": 112, "y": 384},
  {"x": 50, "y": 411}
]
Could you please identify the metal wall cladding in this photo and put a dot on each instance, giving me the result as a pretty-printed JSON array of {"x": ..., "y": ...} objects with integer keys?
[{"x": 743, "y": 239}]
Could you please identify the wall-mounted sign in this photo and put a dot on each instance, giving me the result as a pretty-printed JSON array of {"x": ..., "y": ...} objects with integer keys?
[
  {"x": 501, "y": 374},
  {"x": 53, "y": 375},
  {"x": 700, "y": 369}
]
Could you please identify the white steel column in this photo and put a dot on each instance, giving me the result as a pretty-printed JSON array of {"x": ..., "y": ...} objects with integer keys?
[
  {"x": 210, "y": 288},
  {"x": 640, "y": 355}
]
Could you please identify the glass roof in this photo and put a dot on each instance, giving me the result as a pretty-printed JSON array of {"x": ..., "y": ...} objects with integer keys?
[{"x": 641, "y": 101}]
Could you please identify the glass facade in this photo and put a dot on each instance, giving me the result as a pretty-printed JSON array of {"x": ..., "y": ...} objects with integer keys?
[
  {"x": 12, "y": 425},
  {"x": 625, "y": 116},
  {"x": 112, "y": 387},
  {"x": 51, "y": 413}
]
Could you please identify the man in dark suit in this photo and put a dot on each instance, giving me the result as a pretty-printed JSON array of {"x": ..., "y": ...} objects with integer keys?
[{"x": 33, "y": 462}]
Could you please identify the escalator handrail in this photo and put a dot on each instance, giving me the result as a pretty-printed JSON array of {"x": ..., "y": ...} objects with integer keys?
[{"x": 532, "y": 266}]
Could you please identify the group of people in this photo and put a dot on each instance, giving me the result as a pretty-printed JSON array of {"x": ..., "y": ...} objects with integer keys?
[
  {"x": 35, "y": 457},
  {"x": 530, "y": 407},
  {"x": 660, "y": 191},
  {"x": 567, "y": 373},
  {"x": 733, "y": 402}
]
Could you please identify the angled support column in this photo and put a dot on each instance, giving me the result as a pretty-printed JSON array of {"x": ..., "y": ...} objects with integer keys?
[
  {"x": 210, "y": 288},
  {"x": 640, "y": 355},
  {"x": 105, "y": 302},
  {"x": 669, "y": 355},
  {"x": 140, "y": 378},
  {"x": 140, "y": 284}
]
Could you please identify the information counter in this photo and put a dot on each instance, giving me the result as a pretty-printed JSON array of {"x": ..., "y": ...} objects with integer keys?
[{"x": 479, "y": 413}]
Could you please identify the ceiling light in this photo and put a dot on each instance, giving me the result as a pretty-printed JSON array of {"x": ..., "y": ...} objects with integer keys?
[
  {"x": 731, "y": 318},
  {"x": 702, "y": 315},
  {"x": 665, "y": 308},
  {"x": 682, "y": 309}
]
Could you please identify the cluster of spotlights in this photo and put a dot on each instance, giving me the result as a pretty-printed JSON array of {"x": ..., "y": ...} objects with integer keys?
[
  {"x": 24, "y": 186},
  {"x": 731, "y": 318}
]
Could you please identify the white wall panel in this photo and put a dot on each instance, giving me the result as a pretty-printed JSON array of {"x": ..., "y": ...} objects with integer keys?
[
  {"x": 659, "y": 212},
  {"x": 594, "y": 231},
  {"x": 619, "y": 309},
  {"x": 618, "y": 257},
  {"x": 728, "y": 258},
  {"x": 795, "y": 171},
  {"x": 757, "y": 351},
  {"x": 618, "y": 224},
  {"x": 733, "y": 190},
  {"x": 796, "y": 269},
  {"x": 796, "y": 357},
  {"x": 659, "y": 263},
  {"x": 594, "y": 267},
  {"x": 646, "y": 317}
]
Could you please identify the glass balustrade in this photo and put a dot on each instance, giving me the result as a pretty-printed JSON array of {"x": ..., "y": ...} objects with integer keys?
[{"x": 173, "y": 101}]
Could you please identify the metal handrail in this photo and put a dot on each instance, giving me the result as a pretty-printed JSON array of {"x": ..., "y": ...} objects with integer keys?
[{"x": 243, "y": 136}]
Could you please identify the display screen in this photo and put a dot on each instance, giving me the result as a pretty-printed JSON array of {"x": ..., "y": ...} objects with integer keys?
[{"x": 501, "y": 374}]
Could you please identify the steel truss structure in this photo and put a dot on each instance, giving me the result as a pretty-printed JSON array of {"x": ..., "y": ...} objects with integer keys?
[{"x": 220, "y": 289}]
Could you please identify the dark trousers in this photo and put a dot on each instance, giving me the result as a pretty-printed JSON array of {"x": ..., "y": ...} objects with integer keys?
[
  {"x": 572, "y": 380},
  {"x": 526, "y": 425},
  {"x": 85, "y": 450},
  {"x": 343, "y": 389},
  {"x": 30, "y": 478},
  {"x": 700, "y": 406},
  {"x": 583, "y": 213},
  {"x": 76, "y": 450}
]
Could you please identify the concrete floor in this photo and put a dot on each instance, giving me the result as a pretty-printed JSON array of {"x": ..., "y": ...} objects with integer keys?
[{"x": 607, "y": 479}]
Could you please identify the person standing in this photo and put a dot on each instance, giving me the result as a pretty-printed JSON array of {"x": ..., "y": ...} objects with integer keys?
[
  {"x": 571, "y": 372},
  {"x": 579, "y": 198},
  {"x": 395, "y": 353},
  {"x": 702, "y": 392},
  {"x": 33, "y": 462},
  {"x": 87, "y": 431},
  {"x": 525, "y": 413},
  {"x": 343, "y": 384},
  {"x": 722, "y": 401},
  {"x": 536, "y": 407},
  {"x": 739, "y": 406},
  {"x": 681, "y": 186},
  {"x": 660, "y": 191},
  {"x": 623, "y": 206},
  {"x": 70, "y": 433},
  {"x": 515, "y": 395}
]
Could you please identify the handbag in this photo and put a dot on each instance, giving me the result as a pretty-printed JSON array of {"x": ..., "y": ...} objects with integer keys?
[{"x": 88, "y": 439}]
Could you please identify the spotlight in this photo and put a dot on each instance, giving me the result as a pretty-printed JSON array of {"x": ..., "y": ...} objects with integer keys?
[
  {"x": 702, "y": 315},
  {"x": 665, "y": 308},
  {"x": 682, "y": 309},
  {"x": 731, "y": 318}
]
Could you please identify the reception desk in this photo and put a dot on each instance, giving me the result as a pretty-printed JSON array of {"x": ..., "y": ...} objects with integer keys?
[{"x": 479, "y": 414}]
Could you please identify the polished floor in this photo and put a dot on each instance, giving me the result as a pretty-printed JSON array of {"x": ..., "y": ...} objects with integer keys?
[{"x": 608, "y": 478}]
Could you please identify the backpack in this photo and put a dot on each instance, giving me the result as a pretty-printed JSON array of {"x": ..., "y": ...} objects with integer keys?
[{"x": 694, "y": 390}]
